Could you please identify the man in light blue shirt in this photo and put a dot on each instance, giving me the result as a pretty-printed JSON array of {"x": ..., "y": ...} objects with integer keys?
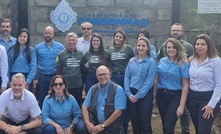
[
  {"x": 46, "y": 53},
  {"x": 6, "y": 39},
  {"x": 103, "y": 106}
]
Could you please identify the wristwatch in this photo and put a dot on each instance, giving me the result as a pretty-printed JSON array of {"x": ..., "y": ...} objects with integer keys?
[
  {"x": 72, "y": 127},
  {"x": 23, "y": 127},
  {"x": 103, "y": 125}
]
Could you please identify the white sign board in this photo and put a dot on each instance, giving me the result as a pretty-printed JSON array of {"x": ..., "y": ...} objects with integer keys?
[{"x": 209, "y": 6}]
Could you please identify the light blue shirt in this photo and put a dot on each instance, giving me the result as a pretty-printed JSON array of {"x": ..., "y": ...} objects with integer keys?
[
  {"x": 119, "y": 100},
  {"x": 139, "y": 75},
  {"x": 170, "y": 74},
  {"x": 153, "y": 52},
  {"x": 206, "y": 77},
  {"x": 21, "y": 64},
  {"x": 60, "y": 113},
  {"x": 46, "y": 56},
  {"x": 11, "y": 41},
  {"x": 3, "y": 66}
]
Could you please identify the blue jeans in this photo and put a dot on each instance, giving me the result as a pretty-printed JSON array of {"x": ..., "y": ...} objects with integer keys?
[
  {"x": 185, "y": 121},
  {"x": 168, "y": 102},
  {"x": 119, "y": 79},
  {"x": 81, "y": 128},
  {"x": 43, "y": 87},
  {"x": 49, "y": 130},
  {"x": 195, "y": 102},
  {"x": 141, "y": 113},
  {"x": 90, "y": 81}
]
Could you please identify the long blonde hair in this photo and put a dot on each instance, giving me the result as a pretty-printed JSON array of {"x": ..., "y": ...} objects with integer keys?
[{"x": 181, "y": 55}]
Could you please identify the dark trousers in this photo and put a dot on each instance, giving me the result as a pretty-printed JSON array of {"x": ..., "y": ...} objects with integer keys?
[
  {"x": 37, "y": 130},
  {"x": 90, "y": 81},
  {"x": 141, "y": 113},
  {"x": 168, "y": 102},
  {"x": 43, "y": 87},
  {"x": 185, "y": 121},
  {"x": 25, "y": 74},
  {"x": 77, "y": 93},
  {"x": 119, "y": 79},
  {"x": 195, "y": 102}
]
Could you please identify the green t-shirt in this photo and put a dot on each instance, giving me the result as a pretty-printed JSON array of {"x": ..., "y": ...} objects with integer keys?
[
  {"x": 93, "y": 60},
  {"x": 188, "y": 49},
  {"x": 119, "y": 60},
  {"x": 70, "y": 64}
]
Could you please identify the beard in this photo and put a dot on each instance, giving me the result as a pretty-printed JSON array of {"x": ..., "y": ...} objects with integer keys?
[
  {"x": 5, "y": 33},
  {"x": 48, "y": 39},
  {"x": 176, "y": 36}
]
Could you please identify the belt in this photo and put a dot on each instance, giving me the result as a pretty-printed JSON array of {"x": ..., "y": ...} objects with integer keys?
[
  {"x": 118, "y": 72},
  {"x": 47, "y": 74},
  {"x": 168, "y": 90}
]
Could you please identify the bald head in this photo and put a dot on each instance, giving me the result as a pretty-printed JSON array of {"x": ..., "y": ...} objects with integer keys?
[
  {"x": 48, "y": 33},
  {"x": 103, "y": 75}
]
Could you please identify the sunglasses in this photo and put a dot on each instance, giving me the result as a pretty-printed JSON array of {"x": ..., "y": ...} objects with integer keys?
[
  {"x": 86, "y": 28},
  {"x": 56, "y": 84}
]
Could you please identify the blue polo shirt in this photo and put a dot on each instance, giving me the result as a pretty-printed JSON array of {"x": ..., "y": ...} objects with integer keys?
[
  {"x": 119, "y": 100},
  {"x": 46, "y": 56},
  {"x": 21, "y": 65},
  {"x": 170, "y": 74},
  {"x": 11, "y": 41},
  {"x": 140, "y": 75}
]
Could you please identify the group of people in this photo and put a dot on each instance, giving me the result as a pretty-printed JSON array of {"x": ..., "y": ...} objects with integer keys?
[{"x": 121, "y": 83}]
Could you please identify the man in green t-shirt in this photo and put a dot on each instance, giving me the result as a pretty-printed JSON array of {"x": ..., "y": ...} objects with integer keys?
[
  {"x": 68, "y": 64},
  {"x": 177, "y": 31}
]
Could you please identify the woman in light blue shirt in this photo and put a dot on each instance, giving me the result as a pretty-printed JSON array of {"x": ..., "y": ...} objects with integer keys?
[
  {"x": 138, "y": 82},
  {"x": 171, "y": 84},
  {"x": 60, "y": 111},
  {"x": 205, "y": 84},
  {"x": 22, "y": 58}
]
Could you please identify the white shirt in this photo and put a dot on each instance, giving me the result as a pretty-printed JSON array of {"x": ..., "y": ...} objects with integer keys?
[
  {"x": 3, "y": 66},
  {"x": 18, "y": 110},
  {"x": 206, "y": 77},
  {"x": 83, "y": 45}
]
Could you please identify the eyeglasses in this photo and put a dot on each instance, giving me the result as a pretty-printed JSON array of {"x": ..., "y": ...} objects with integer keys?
[
  {"x": 176, "y": 30},
  {"x": 86, "y": 28},
  {"x": 56, "y": 84},
  {"x": 103, "y": 74}
]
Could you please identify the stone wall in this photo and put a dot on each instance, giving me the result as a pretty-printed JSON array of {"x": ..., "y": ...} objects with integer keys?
[
  {"x": 158, "y": 13},
  {"x": 8, "y": 9}
]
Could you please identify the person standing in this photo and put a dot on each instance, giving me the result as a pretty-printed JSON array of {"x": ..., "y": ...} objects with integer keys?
[
  {"x": 19, "y": 110},
  {"x": 3, "y": 69},
  {"x": 84, "y": 44},
  {"x": 22, "y": 58},
  {"x": 139, "y": 79},
  {"x": 68, "y": 64},
  {"x": 84, "y": 41},
  {"x": 95, "y": 57},
  {"x": 60, "y": 111},
  {"x": 6, "y": 39},
  {"x": 102, "y": 106},
  {"x": 171, "y": 84},
  {"x": 46, "y": 53},
  {"x": 120, "y": 55},
  {"x": 203, "y": 99},
  {"x": 177, "y": 32},
  {"x": 144, "y": 33}
]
